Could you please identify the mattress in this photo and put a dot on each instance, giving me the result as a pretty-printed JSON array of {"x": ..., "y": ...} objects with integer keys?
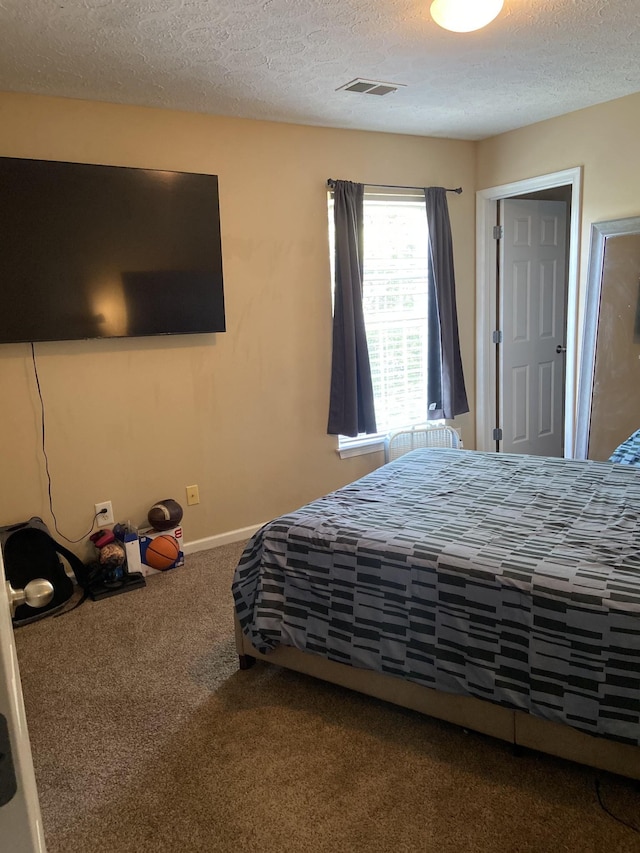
[{"x": 514, "y": 579}]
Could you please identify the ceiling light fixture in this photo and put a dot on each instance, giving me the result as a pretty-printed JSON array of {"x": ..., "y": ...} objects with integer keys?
[{"x": 463, "y": 16}]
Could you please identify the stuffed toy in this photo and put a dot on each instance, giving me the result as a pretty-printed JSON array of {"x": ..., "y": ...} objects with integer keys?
[{"x": 111, "y": 555}]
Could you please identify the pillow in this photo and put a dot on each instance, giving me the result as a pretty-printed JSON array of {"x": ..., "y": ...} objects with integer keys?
[{"x": 628, "y": 453}]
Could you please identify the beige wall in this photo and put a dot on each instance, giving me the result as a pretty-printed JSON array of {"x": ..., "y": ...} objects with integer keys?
[
  {"x": 602, "y": 139},
  {"x": 242, "y": 414}
]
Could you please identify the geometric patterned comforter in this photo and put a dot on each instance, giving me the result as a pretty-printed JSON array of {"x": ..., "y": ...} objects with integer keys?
[{"x": 515, "y": 579}]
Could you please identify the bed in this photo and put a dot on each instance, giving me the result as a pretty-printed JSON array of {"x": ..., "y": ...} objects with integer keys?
[{"x": 500, "y": 592}]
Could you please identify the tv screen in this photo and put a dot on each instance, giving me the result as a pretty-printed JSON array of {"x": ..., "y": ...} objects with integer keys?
[{"x": 107, "y": 251}]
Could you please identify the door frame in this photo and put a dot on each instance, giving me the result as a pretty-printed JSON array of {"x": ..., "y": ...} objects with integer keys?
[
  {"x": 486, "y": 297},
  {"x": 20, "y": 817}
]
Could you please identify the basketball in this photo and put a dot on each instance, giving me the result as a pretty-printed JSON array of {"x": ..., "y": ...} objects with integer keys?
[
  {"x": 165, "y": 514},
  {"x": 162, "y": 552}
]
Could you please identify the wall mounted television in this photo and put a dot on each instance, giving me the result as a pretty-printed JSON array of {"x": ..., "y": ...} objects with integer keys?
[{"x": 89, "y": 251}]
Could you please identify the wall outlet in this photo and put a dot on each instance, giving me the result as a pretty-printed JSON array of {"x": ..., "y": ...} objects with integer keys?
[
  {"x": 105, "y": 518},
  {"x": 193, "y": 495}
]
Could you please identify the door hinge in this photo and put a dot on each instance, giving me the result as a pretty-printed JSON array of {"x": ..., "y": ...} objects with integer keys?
[
  {"x": 497, "y": 434},
  {"x": 498, "y": 232},
  {"x": 497, "y": 336}
]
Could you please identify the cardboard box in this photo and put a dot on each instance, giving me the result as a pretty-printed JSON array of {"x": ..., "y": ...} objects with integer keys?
[{"x": 138, "y": 549}]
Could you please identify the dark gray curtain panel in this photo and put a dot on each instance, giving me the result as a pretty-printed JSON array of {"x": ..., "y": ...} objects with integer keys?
[
  {"x": 447, "y": 396},
  {"x": 351, "y": 409}
]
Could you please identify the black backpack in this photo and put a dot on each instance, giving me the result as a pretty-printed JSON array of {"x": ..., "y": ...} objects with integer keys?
[{"x": 31, "y": 552}]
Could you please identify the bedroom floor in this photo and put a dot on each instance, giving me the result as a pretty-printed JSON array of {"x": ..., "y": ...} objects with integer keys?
[{"x": 147, "y": 738}]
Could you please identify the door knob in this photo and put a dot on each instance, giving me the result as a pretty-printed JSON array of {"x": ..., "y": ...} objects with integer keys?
[
  {"x": 560, "y": 349},
  {"x": 37, "y": 593}
]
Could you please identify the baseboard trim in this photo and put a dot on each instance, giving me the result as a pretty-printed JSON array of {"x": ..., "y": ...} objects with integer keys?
[{"x": 220, "y": 539}]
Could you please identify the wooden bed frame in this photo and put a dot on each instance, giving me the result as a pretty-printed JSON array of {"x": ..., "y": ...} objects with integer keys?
[{"x": 515, "y": 727}]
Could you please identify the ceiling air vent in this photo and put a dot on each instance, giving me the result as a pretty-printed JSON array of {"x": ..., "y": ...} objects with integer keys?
[{"x": 369, "y": 87}]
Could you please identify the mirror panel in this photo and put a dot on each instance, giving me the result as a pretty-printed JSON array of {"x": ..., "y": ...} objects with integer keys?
[{"x": 609, "y": 390}]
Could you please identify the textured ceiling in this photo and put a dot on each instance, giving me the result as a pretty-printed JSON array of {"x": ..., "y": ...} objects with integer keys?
[{"x": 282, "y": 60}]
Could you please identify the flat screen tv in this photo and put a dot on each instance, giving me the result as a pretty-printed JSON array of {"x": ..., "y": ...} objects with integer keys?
[{"x": 107, "y": 251}]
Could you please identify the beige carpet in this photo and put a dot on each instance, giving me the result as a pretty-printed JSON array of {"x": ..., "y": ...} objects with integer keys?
[{"x": 146, "y": 738}]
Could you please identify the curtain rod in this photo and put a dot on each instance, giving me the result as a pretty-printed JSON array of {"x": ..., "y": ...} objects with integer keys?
[{"x": 332, "y": 181}]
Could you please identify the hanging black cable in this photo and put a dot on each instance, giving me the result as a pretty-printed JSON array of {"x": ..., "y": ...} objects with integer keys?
[
  {"x": 46, "y": 458},
  {"x": 634, "y": 826}
]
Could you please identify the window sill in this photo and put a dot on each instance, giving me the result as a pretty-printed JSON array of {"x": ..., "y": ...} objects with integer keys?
[{"x": 360, "y": 446}]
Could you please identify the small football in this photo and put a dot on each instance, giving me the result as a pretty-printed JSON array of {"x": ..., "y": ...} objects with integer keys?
[{"x": 165, "y": 514}]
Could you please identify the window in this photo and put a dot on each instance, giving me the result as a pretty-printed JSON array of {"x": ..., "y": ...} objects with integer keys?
[{"x": 395, "y": 306}]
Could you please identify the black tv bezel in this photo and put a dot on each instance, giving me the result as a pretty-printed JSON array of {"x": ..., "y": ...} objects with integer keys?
[{"x": 220, "y": 322}]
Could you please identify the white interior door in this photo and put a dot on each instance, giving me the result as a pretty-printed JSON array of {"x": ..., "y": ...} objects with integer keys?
[
  {"x": 533, "y": 298},
  {"x": 20, "y": 821}
]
